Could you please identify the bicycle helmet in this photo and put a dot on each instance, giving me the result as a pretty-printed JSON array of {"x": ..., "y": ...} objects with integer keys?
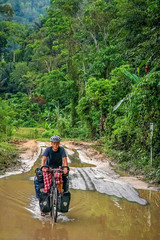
[{"x": 55, "y": 138}]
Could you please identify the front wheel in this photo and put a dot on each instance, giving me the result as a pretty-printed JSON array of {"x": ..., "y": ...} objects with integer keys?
[{"x": 54, "y": 209}]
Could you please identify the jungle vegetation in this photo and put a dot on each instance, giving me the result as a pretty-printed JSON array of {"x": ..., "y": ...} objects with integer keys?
[{"x": 89, "y": 69}]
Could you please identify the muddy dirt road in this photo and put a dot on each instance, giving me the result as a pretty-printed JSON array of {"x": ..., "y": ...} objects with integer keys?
[{"x": 103, "y": 204}]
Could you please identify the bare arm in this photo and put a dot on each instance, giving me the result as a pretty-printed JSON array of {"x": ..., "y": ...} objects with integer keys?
[
  {"x": 65, "y": 163},
  {"x": 43, "y": 161}
]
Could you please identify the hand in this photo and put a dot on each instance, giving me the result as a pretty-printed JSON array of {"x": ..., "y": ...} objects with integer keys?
[
  {"x": 65, "y": 170},
  {"x": 44, "y": 169}
]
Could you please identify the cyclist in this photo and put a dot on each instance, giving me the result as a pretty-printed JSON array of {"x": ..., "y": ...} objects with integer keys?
[{"x": 54, "y": 157}]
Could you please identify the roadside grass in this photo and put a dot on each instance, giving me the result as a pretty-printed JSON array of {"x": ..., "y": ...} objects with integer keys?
[
  {"x": 8, "y": 155},
  {"x": 40, "y": 134},
  {"x": 127, "y": 165},
  {"x": 28, "y": 133}
]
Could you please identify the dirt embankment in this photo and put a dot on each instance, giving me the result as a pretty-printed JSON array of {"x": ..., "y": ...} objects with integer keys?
[
  {"x": 27, "y": 151},
  {"x": 88, "y": 149}
]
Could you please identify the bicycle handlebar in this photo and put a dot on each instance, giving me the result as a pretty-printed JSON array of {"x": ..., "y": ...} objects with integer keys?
[{"x": 60, "y": 169}]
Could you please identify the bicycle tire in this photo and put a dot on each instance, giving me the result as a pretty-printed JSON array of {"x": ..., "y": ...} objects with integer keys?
[
  {"x": 55, "y": 214},
  {"x": 54, "y": 205}
]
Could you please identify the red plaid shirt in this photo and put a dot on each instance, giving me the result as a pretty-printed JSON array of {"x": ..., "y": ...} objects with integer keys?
[
  {"x": 58, "y": 177},
  {"x": 47, "y": 178}
]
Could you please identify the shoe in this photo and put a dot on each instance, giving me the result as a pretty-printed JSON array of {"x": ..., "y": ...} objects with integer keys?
[
  {"x": 43, "y": 214},
  {"x": 66, "y": 192}
]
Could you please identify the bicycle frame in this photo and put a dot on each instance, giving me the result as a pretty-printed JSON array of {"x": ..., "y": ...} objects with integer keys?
[{"x": 55, "y": 192}]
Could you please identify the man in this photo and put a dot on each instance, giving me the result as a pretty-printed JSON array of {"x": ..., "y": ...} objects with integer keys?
[{"x": 54, "y": 157}]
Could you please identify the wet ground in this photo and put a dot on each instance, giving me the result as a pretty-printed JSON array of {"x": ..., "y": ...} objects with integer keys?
[{"x": 92, "y": 216}]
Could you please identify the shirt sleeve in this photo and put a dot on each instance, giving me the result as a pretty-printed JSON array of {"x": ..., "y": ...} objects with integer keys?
[
  {"x": 46, "y": 152},
  {"x": 63, "y": 153}
]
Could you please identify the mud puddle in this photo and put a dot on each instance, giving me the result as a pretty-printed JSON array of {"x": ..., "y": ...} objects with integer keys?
[{"x": 93, "y": 214}]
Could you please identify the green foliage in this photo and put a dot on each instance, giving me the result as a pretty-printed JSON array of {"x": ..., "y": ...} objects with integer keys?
[
  {"x": 131, "y": 131},
  {"x": 26, "y": 113},
  {"x": 27, "y": 11},
  {"x": 89, "y": 69},
  {"x": 53, "y": 86},
  {"x": 30, "y": 123},
  {"x": 12, "y": 37},
  {"x": 6, "y": 11},
  {"x": 6, "y": 115},
  {"x": 17, "y": 80},
  {"x": 28, "y": 133},
  {"x": 49, "y": 133},
  {"x": 8, "y": 154}
]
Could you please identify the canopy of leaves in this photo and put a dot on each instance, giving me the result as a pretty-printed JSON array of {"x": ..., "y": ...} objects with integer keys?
[
  {"x": 89, "y": 68},
  {"x": 24, "y": 11}
]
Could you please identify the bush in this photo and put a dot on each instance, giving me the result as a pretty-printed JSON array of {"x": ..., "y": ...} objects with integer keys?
[
  {"x": 28, "y": 133},
  {"x": 30, "y": 123},
  {"x": 18, "y": 122},
  {"x": 49, "y": 133},
  {"x": 158, "y": 175},
  {"x": 8, "y": 154}
]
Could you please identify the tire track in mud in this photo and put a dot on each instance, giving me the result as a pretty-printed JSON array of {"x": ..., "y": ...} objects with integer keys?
[
  {"x": 88, "y": 181},
  {"x": 97, "y": 179}
]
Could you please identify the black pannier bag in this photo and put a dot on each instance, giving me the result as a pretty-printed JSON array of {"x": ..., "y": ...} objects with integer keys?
[
  {"x": 40, "y": 189},
  {"x": 65, "y": 201},
  {"x": 44, "y": 202},
  {"x": 38, "y": 182},
  {"x": 36, "y": 186},
  {"x": 44, "y": 198},
  {"x": 39, "y": 175}
]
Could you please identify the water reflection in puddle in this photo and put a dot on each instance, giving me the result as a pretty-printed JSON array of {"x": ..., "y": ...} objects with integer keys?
[
  {"x": 92, "y": 215},
  {"x": 35, "y": 210}
]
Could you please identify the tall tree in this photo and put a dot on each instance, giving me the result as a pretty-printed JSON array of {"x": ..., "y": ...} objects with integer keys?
[
  {"x": 6, "y": 12},
  {"x": 61, "y": 24}
]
